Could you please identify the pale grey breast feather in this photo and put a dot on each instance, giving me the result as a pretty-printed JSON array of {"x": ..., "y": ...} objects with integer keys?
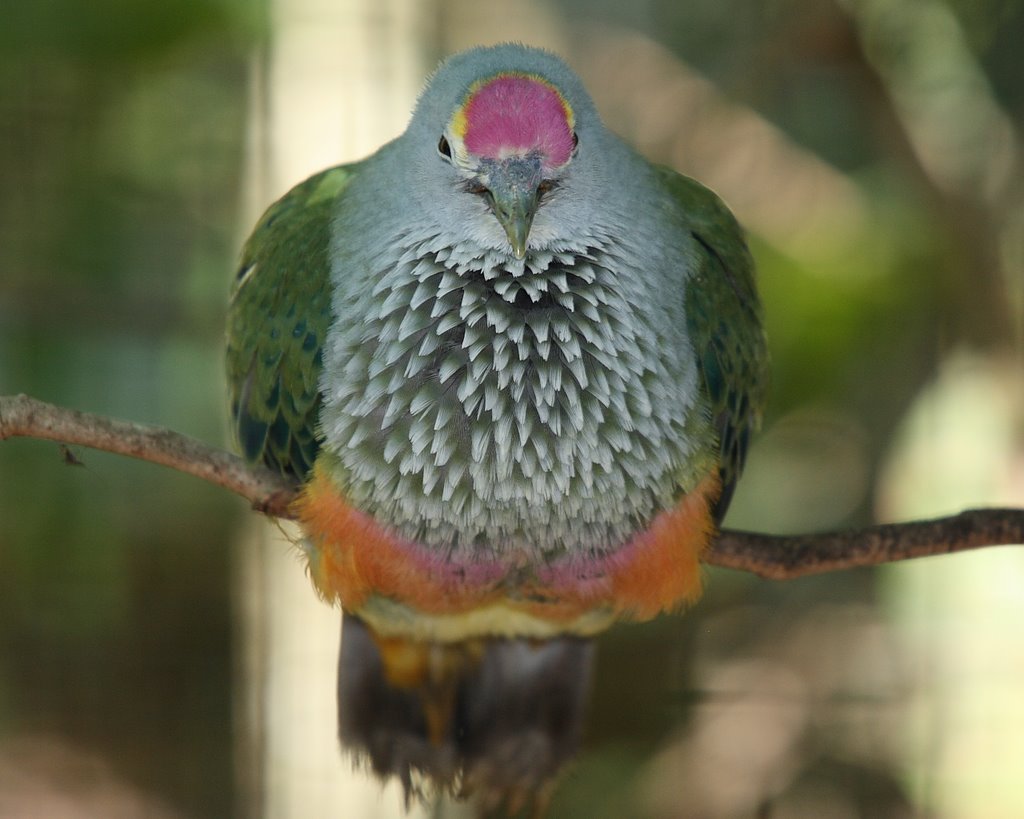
[{"x": 476, "y": 402}]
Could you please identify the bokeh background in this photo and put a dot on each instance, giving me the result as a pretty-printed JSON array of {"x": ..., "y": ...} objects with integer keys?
[{"x": 161, "y": 653}]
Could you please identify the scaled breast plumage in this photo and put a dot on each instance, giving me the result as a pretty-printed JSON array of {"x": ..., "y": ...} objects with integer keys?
[{"x": 489, "y": 404}]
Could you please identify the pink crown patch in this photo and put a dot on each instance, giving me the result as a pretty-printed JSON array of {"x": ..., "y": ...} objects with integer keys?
[{"x": 517, "y": 113}]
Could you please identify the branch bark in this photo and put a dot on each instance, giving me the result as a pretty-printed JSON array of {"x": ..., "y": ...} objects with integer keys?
[
  {"x": 27, "y": 417},
  {"x": 782, "y": 557},
  {"x": 778, "y": 557}
]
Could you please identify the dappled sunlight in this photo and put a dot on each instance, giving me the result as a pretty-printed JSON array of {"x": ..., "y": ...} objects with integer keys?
[
  {"x": 673, "y": 114},
  {"x": 808, "y": 471},
  {"x": 50, "y": 776},
  {"x": 962, "y": 445},
  {"x": 827, "y": 691},
  {"x": 958, "y": 129},
  {"x": 743, "y": 744}
]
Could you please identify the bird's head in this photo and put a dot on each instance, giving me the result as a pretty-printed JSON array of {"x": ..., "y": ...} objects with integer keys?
[
  {"x": 504, "y": 128},
  {"x": 511, "y": 137}
]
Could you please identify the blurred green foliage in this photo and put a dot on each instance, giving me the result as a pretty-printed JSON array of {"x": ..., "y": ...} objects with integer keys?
[{"x": 120, "y": 151}]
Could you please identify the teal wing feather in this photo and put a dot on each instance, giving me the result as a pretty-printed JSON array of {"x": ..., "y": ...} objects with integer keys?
[
  {"x": 723, "y": 316},
  {"x": 277, "y": 319}
]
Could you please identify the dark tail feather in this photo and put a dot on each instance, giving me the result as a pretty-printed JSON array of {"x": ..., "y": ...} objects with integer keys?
[{"x": 494, "y": 719}]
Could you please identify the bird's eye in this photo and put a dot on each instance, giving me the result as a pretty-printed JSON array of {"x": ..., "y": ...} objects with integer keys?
[
  {"x": 444, "y": 148},
  {"x": 575, "y": 141},
  {"x": 546, "y": 186}
]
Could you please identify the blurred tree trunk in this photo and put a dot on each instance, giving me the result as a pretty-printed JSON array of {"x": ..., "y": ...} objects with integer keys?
[{"x": 337, "y": 80}]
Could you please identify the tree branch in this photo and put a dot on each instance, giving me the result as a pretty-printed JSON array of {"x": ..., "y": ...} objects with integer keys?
[
  {"x": 267, "y": 491},
  {"x": 777, "y": 557},
  {"x": 783, "y": 557}
]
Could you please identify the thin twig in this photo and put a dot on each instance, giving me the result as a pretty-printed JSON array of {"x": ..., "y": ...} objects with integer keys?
[
  {"x": 267, "y": 491},
  {"x": 777, "y": 557},
  {"x": 782, "y": 557}
]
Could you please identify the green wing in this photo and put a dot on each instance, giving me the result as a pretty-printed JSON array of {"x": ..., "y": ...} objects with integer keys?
[
  {"x": 277, "y": 319},
  {"x": 723, "y": 317}
]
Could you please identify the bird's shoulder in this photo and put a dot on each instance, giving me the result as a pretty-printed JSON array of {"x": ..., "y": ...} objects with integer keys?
[
  {"x": 714, "y": 228},
  {"x": 278, "y": 317},
  {"x": 724, "y": 319}
]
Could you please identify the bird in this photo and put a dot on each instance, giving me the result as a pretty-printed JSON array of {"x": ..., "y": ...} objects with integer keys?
[{"x": 514, "y": 368}]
